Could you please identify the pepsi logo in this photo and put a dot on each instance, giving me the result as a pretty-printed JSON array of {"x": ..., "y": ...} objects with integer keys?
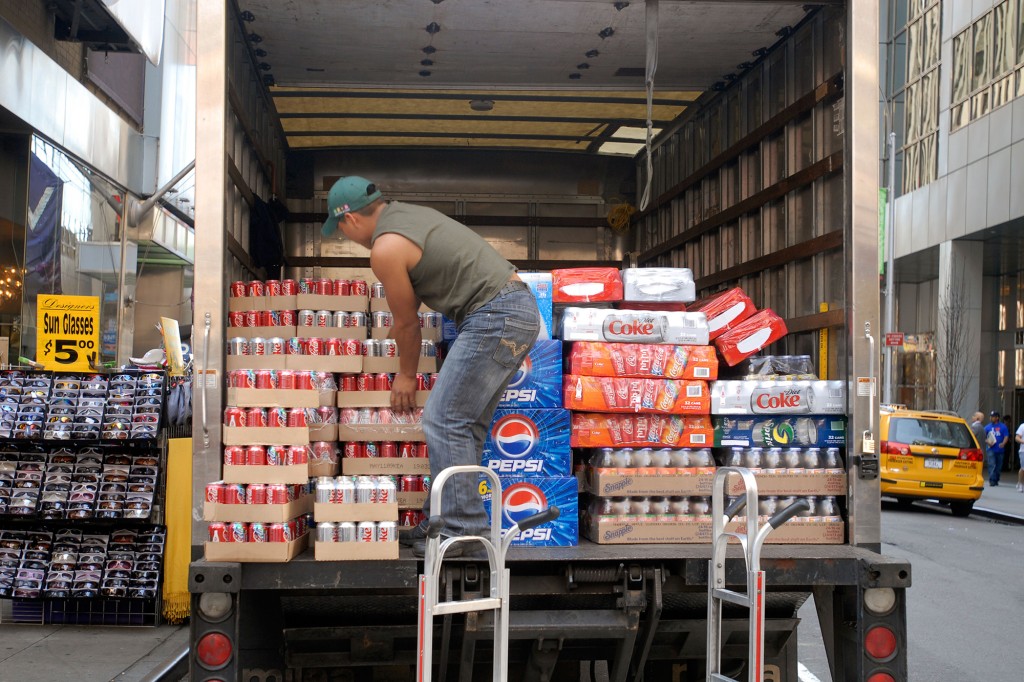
[
  {"x": 522, "y": 374},
  {"x": 521, "y": 500},
  {"x": 515, "y": 436}
]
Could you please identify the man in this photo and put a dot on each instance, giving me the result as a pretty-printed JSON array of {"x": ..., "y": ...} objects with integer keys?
[
  {"x": 1020, "y": 458},
  {"x": 421, "y": 255},
  {"x": 996, "y": 437},
  {"x": 978, "y": 429}
]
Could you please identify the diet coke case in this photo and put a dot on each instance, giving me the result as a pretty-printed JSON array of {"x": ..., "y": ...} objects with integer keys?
[
  {"x": 775, "y": 431},
  {"x": 635, "y": 326},
  {"x": 538, "y": 381},
  {"x": 750, "y": 336},
  {"x": 658, "y": 284},
  {"x": 778, "y": 397},
  {"x": 525, "y": 496},
  {"x": 529, "y": 442},
  {"x": 643, "y": 360},
  {"x": 725, "y": 310}
]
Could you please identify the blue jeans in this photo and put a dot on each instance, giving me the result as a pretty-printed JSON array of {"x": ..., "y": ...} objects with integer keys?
[
  {"x": 492, "y": 343},
  {"x": 995, "y": 465}
]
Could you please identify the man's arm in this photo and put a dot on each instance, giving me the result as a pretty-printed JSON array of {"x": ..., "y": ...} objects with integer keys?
[
  {"x": 1006, "y": 439},
  {"x": 391, "y": 259}
]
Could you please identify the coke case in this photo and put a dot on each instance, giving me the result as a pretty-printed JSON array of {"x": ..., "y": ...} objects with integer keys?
[
  {"x": 594, "y": 358},
  {"x": 617, "y": 394}
]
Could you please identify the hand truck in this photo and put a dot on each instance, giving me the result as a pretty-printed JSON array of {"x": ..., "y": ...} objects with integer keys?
[
  {"x": 751, "y": 542},
  {"x": 496, "y": 546}
]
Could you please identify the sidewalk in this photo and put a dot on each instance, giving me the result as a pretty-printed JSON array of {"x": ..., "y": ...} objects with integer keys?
[{"x": 1004, "y": 498}]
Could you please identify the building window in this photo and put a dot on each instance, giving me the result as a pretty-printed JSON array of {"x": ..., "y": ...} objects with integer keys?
[
  {"x": 988, "y": 63},
  {"x": 922, "y": 37}
]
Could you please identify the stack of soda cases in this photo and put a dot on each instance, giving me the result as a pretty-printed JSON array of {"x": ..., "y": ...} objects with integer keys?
[
  {"x": 787, "y": 427},
  {"x": 528, "y": 446},
  {"x": 356, "y": 490}
]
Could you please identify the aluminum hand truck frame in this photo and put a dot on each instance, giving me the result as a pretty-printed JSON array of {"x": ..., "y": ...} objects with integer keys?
[
  {"x": 751, "y": 542},
  {"x": 496, "y": 547}
]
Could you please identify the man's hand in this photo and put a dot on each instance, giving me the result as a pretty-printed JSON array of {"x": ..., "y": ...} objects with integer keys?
[{"x": 403, "y": 393}]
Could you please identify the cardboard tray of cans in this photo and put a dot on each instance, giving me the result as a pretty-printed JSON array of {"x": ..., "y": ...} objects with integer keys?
[
  {"x": 265, "y": 473},
  {"x": 70, "y": 563},
  {"x": 239, "y": 304},
  {"x": 390, "y": 365},
  {"x": 412, "y": 500},
  {"x": 374, "y": 398},
  {"x": 628, "y": 531},
  {"x": 367, "y": 466},
  {"x": 251, "y": 552},
  {"x": 322, "y": 302},
  {"x": 355, "y": 551},
  {"x": 78, "y": 485},
  {"x": 281, "y": 331},
  {"x": 266, "y": 435},
  {"x": 343, "y": 364},
  {"x": 267, "y": 513},
  {"x": 375, "y": 432},
  {"x": 355, "y": 511},
  {"x": 275, "y": 397},
  {"x": 426, "y": 333}
]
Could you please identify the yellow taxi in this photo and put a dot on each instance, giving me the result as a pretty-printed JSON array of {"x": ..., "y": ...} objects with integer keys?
[{"x": 930, "y": 455}]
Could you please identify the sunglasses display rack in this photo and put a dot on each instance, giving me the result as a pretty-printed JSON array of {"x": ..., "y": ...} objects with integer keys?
[{"x": 82, "y": 577}]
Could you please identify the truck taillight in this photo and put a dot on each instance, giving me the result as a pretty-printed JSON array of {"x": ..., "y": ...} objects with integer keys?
[
  {"x": 214, "y": 650},
  {"x": 880, "y": 643},
  {"x": 893, "y": 448},
  {"x": 972, "y": 455}
]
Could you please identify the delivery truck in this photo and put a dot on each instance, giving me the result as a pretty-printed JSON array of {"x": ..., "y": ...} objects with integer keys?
[{"x": 738, "y": 139}]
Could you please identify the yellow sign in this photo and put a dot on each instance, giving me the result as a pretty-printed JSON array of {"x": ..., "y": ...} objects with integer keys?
[{"x": 67, "y": 332}]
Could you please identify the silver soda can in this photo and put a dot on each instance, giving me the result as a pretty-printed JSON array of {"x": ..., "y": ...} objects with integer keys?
[
  {"x": 347, "y": 531},
  {"x": 427, "y": 348},
  {"x": 387, "y": 491},
  {"x": 238, "y": 345},
  {"x": 326, "y": 531},
  {"x": 372, "y": 348},
  {"x": 380, "y": 319},
  {"x": 366, "y": 489},
  {"x": 389, "y": 348},
  {"x": 323, "y": 318},
  {"x": 305, "y": 318},
  {"x": 257, "y": 346},
  {"x": 325, "y": 489},
  {"x": 366, "y": 531},
  {"x": 357, "y": 319},
  {"x": 387, "y": 531},
  {"x": 341, "y": 319},
  {"x": 345, "y": 490},
  {"x": 377, "y": 290}
]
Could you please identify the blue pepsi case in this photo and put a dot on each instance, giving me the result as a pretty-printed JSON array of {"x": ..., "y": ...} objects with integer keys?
[
  {"x": 529, "y": 442},
  {"x": 540, "y": 285},
  {"x": 538, "y": 381},
  {"x": 525, "y": 496}
]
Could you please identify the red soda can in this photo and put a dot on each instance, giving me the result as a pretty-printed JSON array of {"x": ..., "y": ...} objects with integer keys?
[
  {"x": 349, "y": 382},
  {"x": 408, "y": 484},
  {"x": 286, "y": 379},
  {"x": 277, "y": 417},
  {"x": 245, "y": 378},
  {"x": 316, "y": 346},
  {"x": 267, "y": 318},
  {"x": 287, "y": 318},
  {"x": 406, "y": 449},
  {"x": 277, "y": 455},
  {"x": 351, "y": 347},
  {"x": 234, "y": 416},
  {"x": 252, "y": 318},
  {"x": 257, "y": 532},
  {"x": 298, "y": 454},
  {"x": 372, "y": 449},
  {"x": 272, "y": 287},
  {"x": 255, "y": 288},
  {"x": 289, "y": 287},
  {"x": 277, "y": 493},
  {"x": 236, "y": 318},
  {"x": 303, "y": 380},
  {"x": 354, "y": 450},
  {"x": 234, "y": 455},
  {"x": 325, "y": 287},
  {"x": 237, "y": 289},
  {"x": 389, "y": 449},
  {"x": 307, "y": 286},
  {"x": 234, "y": 493},
  {"x": 323, "y": 318},
  {"x": 297, "y": 417},
  {"x": 408, "y": 518},
  {"x": 358, "y": 287},
  {"x": 421, "y": 451},
  {"x": 215, "y": 492},
  {"x": 275, "y": 532},
  {"x": 219, "y": 532},
  {"x": 382, "y": 381},
  {"x": 322, "y": 451},
  {"x": 256, "y": 455},
  {"x": 422, "y": 382},
  {"x": 295, "y": 346},
  {"x": 256, "y": 493},
  {"x": 328, "y": 414},
  {"x": 256, "y": 417},
  {"x": 332, "y": 347},
  {"x": 238, "y": 531},
  {"x": 264, "y": 379},
  {"x": 365, "y": 382},
  {"x": 342, "y": 287}
]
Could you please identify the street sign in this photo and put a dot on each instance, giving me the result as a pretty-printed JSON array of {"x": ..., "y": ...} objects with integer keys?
[
  {"x": 894, "y": 339},
  {"x": 67, "y": 332}
]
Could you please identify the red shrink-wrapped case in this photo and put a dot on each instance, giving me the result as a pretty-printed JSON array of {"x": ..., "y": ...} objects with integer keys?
[
  {"x": 725, "y": 310},
  {"x": 593, "y": 430},
  {"x": 750, "y": 336},
  {"x": 585, "y": 285},
  {"x": 643, "y": 360},
  {"x": 621, "y": 394}
]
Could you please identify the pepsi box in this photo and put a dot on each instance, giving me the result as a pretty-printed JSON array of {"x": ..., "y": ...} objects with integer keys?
[
  {"x": 540, "y": 285},
  {"x": 529, "y": 442},
  {"x": 538, "y": 381},
  {"x": 776, "y": 431},
  {"x": 522, "y": 497}
]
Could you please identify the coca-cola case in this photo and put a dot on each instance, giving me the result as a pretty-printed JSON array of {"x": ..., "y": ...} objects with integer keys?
[
  {"x": 778, "y": 397},
  {"x": 538, "y": 381},
  {"x": 529, "y": 442},
  {"x": 586, "y": 285},
  {"x": 597, "y": 358},
  {"x": 524, "y": 496},
  {"x": 750, "y": 336},
  {"x": 634, "y": 326},
  {"x": 596, "y": 430},
  {"x": 658, "y": 284},
  {"x": 775, "y": 431},
  {"x": 725, "y": 310},
  {"x": 622, "y": 394}
]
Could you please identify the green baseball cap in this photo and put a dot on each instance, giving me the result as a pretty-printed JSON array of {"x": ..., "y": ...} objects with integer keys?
[{"x": 349, "y": 193}]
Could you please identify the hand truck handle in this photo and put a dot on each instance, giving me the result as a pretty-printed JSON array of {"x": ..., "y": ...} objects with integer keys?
[
  {"x": 435, "y": 524},
  {"x": 541, "y": 517},
  {"x": 734, "y": 508},
  {"x": 789, "y": 512}
]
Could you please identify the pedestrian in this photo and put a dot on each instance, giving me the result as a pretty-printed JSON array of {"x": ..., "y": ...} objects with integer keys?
[
  {"x": 422, "y": 255},
  {"x": 996, "y": 438},
  {"x": 978, "y": 429},
  {"x": 1020, "y": 458}
]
